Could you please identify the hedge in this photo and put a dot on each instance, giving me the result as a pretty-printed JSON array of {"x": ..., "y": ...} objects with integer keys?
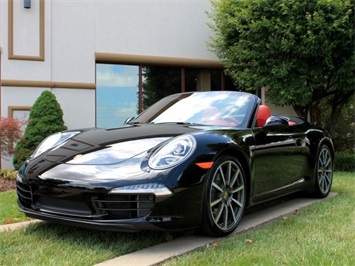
[{"x": 344, "y": 162}]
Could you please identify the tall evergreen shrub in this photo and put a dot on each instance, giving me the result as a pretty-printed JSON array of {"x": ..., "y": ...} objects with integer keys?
[{"x": 46, "y": 118}]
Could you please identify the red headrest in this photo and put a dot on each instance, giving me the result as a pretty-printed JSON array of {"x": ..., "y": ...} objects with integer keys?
[{"x": 262, "y": 115}]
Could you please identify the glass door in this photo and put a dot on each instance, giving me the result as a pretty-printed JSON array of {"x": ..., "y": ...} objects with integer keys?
[{"x": 116, "y": 94}]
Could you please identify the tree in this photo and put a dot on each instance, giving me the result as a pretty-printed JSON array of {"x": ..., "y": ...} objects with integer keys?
[
  {"x": 302, "y": 50},
  {"x": 160, "y": 82},
  {"x": 46, "y": 118},
  {"x": 344, "y": 137},
  {"x": 10, "y": 132}
]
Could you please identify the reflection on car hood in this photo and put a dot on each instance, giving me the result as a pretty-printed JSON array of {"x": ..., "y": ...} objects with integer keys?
[{"x": 100, "y": 146}]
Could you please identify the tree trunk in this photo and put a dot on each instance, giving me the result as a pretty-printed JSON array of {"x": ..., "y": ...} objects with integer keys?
[
  {"x": 301, "y": 111},
  {"x": 316, "y": 114}
]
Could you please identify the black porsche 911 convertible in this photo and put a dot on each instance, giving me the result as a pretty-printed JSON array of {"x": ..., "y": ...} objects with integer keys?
[{"x": 193, "y": 160}]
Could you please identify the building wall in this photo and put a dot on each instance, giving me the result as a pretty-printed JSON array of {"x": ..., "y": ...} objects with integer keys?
[
  {"x": 159, "y": 28},
  {"x": 76, "y": 31},
  {"x": 55, "y": 45}
]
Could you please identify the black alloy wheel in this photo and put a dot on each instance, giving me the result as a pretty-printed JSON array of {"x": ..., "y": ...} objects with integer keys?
[
  {"x": 323, "y": 172},
  {"x": 224, "y": 197}
]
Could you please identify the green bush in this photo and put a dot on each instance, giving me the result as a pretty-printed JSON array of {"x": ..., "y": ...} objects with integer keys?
[
  {"x": 344, "y": 161},
  {"x": 8, "y": 174},
  {"x": 46, "y": 118}
]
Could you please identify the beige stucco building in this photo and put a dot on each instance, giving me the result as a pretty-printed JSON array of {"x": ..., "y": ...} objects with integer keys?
[{"x": 62, "y": 46}]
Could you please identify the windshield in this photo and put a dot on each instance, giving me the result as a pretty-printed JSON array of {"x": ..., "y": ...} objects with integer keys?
[{"x": 214, "y": 108}]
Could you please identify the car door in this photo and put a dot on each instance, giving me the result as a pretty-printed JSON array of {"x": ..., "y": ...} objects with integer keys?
[{"x": 279, "y": 159}]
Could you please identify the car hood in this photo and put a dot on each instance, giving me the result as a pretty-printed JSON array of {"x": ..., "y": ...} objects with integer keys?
[{"x": 103, "y": 147}]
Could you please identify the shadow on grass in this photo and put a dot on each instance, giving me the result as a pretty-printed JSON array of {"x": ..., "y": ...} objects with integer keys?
[
  {"x": 55, "y": 244},
  {"x": 127, "y": 242}
]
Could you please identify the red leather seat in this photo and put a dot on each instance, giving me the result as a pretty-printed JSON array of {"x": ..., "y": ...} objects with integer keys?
[
  {"x": 262, "y": 115},
  {"x": 211, "y": 116}
]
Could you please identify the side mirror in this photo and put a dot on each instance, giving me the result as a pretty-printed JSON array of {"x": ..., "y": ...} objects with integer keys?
[
  {"x": 128, "y": 120},
  {"x": 276, "y": 121}
]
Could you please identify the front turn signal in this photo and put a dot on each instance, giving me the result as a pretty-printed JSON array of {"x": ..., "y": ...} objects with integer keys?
[{"x": 205, "y": 165}]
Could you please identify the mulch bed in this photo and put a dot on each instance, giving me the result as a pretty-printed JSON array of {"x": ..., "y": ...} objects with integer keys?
[{"x": 6, "y": 185}]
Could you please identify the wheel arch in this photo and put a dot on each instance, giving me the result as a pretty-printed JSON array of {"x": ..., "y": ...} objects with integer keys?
[
  {"x": 316, "y": 139},
  {"x": 329, "y": 143},
  {"x": 244, "y": 161},
  {"x": 316, "y": 148},
  {"x": 323, "y": 178}
]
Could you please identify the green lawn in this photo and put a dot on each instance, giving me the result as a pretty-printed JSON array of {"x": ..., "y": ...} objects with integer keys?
[
  {"x": 9, "y": 212},
  {"x": 51, "y": 244},
  {"x": 322, "y": 234}
]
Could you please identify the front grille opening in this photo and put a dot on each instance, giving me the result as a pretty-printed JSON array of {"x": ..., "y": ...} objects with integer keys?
[
  {"x": 125, "y": 206},
  {"x": 62, "y": 206}
]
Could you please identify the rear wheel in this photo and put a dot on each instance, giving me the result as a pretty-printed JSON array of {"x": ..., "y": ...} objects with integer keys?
[
  {"x": 224, "y": 197},
  {"x": 323, "y": 172}
]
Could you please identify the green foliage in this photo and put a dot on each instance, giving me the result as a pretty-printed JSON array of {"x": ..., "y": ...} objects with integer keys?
[
  {"x": 8, "y": 174},
  {"x": 160, "y": 82},
  {"x": 344, "y": 136},
  {"x": 46, "y": 118},
  {"x": 344, "y": 161},
  {"x": 10, "y": 132},
  {"x": 302, "y": 51}
]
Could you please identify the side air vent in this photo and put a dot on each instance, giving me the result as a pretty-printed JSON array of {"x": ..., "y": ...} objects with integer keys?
[
  {"x": 126, "y": 206},
  {"x": 24, "y": 194}
]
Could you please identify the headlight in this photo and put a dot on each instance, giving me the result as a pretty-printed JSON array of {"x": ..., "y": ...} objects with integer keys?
[
  {"x": 174, "y": 152},
  {"x": 53, "y": 141}
]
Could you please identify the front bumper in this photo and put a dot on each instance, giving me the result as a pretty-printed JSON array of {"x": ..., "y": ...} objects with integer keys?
[
  {"x": 123, "y": 209},
  {"x": 127, "y": 225}
]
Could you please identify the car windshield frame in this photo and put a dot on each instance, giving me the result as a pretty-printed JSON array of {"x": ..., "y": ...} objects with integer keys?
[{"x": 219, "y": 107}]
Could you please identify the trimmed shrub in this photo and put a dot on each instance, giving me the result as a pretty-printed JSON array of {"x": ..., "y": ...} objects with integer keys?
[
  {"x": 46, "y": 118},
  {"x": 344, "y": 161},
  {"x": 8, "y": 174}
]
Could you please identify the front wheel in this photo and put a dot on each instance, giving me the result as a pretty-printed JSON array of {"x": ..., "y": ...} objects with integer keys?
[
  {"x": 224, "y": 197},
  {"x": 323, "y": 172}
]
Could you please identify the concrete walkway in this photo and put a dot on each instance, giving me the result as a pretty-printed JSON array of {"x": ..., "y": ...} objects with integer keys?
[
  {"x": 179, "y": 246},
  {"x": 14, "y": 226}
]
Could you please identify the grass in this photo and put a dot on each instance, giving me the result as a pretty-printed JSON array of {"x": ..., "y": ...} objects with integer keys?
[
  {"x": 51, "y": 244},
  {"x": 322, "y": 234},
  {"x": 9, "y": 212}
]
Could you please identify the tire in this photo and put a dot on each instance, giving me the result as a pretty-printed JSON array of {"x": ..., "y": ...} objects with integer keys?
[
  {"x": 323, "y": 172},
  {"x": 224, "y": 197}
]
